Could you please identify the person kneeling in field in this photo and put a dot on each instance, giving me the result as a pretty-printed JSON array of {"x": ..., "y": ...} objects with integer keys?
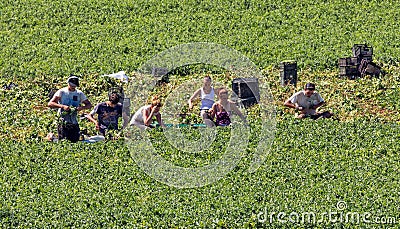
[
  {"x": 307, "y": 102},
  {"x": 143, "y": 118},
  {"x": 108, "y": 114},
  {"x": 222, "y": 109}
]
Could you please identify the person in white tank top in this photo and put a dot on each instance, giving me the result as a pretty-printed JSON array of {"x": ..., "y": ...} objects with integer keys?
[
  {"x": 143, "y": 117},
  {"x": 206, "y": 94}
]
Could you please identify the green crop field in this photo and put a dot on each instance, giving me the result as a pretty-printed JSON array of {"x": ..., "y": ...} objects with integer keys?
[{"x": 334, "y": 173}]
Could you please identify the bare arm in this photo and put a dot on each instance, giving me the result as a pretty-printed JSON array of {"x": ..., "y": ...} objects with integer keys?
[
  {"x": 237, "y": 111},
  {"x": 289, "y": 104},
  {"x": 195, "y": 95},
  {"x": 87, "y": 105},
  {"x": 213, "y": 110},
  {"x": 148, "y": 116},
  {"x": 91, "y": 118},
  {"x": 53, "y": 103}
]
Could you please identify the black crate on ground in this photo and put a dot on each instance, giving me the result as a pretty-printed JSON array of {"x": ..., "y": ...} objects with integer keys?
[
  {"x": 246, "y": 88},
  {"x": 368, "y": 58},
  {"x": 288, "y": 72},
  {"x": 248, "y": 102},
  {"x": 369, "y": 68},
  {"x": 161, "y": 73},
  {"x": 350, "y": 72},
  {"x": 362, "y": 50},
  {"x": 348, "y": 61}
]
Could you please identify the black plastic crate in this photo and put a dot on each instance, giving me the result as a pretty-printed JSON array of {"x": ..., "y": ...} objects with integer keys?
[
  {"x": 362, "y": 50},
  {"x": 246, "y": 88},
  {"x": 248, "y": 102},
  {"x": 348, "y": 61},
  {"x": 369, "y": 68},
  {"x": 350, "y": 72},
  {"x": 288, "y": 73},
  {"x": 368, "y": 58}
]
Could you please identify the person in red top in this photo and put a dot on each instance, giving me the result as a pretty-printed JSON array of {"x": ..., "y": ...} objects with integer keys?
[{"x": 222, "y": 109}]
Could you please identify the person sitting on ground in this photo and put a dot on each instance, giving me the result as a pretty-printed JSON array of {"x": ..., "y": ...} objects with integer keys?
[
  {"x": 143, "y": 118},
  {"x": 206, "y": 94},
  {"x": 307, "y": 102},
  {"x": 69, "y": 100},
  {"x": 222, "y": 109},
  {"x": 108, "y": 114}
]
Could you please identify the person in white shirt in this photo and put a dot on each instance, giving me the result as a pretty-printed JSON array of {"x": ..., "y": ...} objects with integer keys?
[
  {"x": 206, "y": 94},
  {"x": 143, "y": 118},
  {"x": 68, "y": 100},
  {"x": 307, "y": 102}
]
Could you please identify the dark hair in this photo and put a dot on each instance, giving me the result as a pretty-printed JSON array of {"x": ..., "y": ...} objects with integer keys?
[
  {"x": 73, "y": 79},
  {"x": 114, "y": 97}
]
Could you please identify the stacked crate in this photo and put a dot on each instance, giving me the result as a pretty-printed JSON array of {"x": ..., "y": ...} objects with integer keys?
[
  {"x": 348, "y": 67},
  {"x": 362, "y": 52},
  {"x": 360, "y": 64}
]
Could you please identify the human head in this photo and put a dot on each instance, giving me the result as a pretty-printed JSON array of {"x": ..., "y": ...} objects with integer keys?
[
  {"x": 73, "y": 82},
  {"x": 113, "y": 97},
  {"x": 207, "y": 81},
  {"x": 309, "y": 89},
  {"x": 156, "y": 102},
  {"x": 222, "y": 93}
]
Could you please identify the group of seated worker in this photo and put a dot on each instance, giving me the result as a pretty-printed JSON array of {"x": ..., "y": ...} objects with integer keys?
[
  {"x": 219, "y": 113},
  {"x": 213, "y": 113}
]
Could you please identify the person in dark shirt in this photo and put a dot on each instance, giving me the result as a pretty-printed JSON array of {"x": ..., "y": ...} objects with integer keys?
[{"x": 108, "y": 114}]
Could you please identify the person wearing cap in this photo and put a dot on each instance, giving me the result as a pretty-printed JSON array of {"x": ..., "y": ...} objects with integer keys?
[
  {"x": 108, "y": 114},
  {"x": 68, "y": 100},
  {"x": 307, "y": 102}
]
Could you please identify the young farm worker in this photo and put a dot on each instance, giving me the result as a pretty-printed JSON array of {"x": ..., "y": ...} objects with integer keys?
[
  {"x": 307, "y": 102},
  {"x": 206, "y": 94},
  {"x": 143, "y": 118},
  {"x": 69, "y": 101},
  {"x": 222, "y": 109},
  {"x": 108, "y": 114}
]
